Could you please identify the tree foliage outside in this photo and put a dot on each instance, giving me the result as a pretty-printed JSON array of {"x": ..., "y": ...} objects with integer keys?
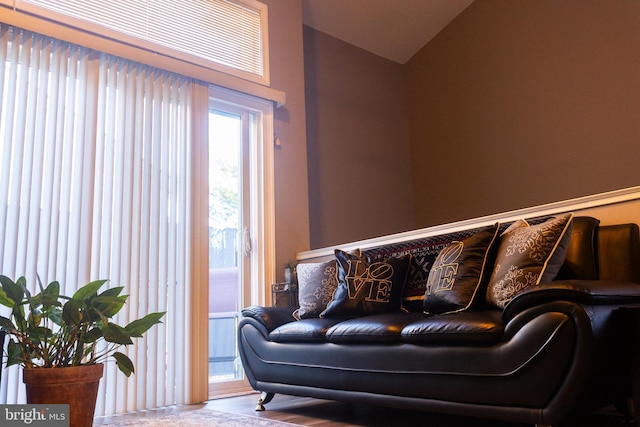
[
  {"x": 225, "y": 180},
  {"x": 223, "y": 196}
]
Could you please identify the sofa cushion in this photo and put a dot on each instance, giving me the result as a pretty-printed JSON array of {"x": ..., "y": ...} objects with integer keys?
[
  {"x": 618, "y": 252},
  {"x": 528, "y": 255},
  {"x": 365, "y": 287},
  {"x": 581, "y": 260},
  {"x": 467, "y": 327},
  {"x": 379, "y": 328},
  {"x": 306, "y": 330},
  {"x": 460, "y": 273}
]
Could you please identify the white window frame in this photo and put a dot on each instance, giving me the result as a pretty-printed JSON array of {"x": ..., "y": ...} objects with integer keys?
[
  {"x": 262, "y": 224},
  {"x": 118, "y": 44},
  {"x": 262, "y": 191}
]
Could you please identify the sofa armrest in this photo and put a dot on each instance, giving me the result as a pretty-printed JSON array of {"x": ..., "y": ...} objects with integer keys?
[
  {"x": 269, "y": 317},
  {"x": 593, "y": 292}
]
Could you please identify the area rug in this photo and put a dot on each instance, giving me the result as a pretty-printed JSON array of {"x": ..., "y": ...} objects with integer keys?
[{"x": 197, "y": 418}]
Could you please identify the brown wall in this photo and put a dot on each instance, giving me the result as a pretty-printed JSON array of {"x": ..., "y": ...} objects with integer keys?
[
  {"x": 519, "y": 103},
  {"x": 357, "y": 141},
  {"x": 287, "y": 74}
]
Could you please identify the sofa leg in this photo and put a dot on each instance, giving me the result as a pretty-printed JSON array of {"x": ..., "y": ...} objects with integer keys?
[{"x": 265, "y": 398}]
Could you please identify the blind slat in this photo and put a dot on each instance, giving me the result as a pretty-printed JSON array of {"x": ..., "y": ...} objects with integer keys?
[
  {"x": 93, "y": 192},
  {"x": 227, "y": 32}
]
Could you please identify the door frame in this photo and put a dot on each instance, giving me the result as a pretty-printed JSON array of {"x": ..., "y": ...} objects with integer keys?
[{"x": 262, "y": 218}]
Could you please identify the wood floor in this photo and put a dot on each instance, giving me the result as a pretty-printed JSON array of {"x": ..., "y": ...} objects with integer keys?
[{"x": 320, "y": 413}]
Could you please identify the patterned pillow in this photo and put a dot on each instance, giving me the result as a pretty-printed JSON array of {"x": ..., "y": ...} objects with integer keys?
[
  {"x": 366, "y": 287},
  {"x": 424, "y": 252},
  {"x": 460, "y": 273},
  {"x": 316, "y": 283},
  {"x": 527, "y": 256}
]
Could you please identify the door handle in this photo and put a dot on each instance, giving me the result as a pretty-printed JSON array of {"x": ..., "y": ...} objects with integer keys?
[{"x": 246, "y": 241}]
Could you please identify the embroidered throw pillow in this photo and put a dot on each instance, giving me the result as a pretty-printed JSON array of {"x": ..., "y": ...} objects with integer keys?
[
  {"x": 424, "y": 252},
  {"x": 366, "y": 287},
  {"x": 316, "y": 283},
  {"x": 527, "y": 256},
  {"x": 460, "y": 273}
]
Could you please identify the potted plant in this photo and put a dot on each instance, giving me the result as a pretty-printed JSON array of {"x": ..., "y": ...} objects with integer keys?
[{"x": 61, "y": 340}]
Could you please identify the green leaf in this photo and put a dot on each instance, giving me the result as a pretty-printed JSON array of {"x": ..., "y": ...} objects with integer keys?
[
  {"x": 12, "y": 289},
  {"x": 52, "y": 290},
  {"x": 39, "y": 282},
  {"x": 116, "y": 334},
  {"x": 18, "y": 314},
  {"x": 71, "y": 313},
  {"x": 124, "y": 363},
  {"x": 88, "y": 290},
  {"x": 140, "y": 326},
  {"x": 102, "y": 300},
  {"x": 22, "y": 282},
  {"x": 6, "y": 323},
  {"x": 108, "y": 306},
  {"x": 55, "y": 314},
  {"x": 14, "y": 353},
  {"x": 93, "y": 335},
  {"x": 5, "y": 300},
  {"x": 112, "y": 292}
]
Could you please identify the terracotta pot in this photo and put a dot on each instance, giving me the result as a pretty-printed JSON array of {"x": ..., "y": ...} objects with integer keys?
[{"x": 76, "y": 386}]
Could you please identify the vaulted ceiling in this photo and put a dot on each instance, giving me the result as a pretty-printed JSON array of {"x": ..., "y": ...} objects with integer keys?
[{"x": 393, "y": 29}]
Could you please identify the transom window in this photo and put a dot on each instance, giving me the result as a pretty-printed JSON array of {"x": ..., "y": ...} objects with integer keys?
[{"x": 225, "y": 35}]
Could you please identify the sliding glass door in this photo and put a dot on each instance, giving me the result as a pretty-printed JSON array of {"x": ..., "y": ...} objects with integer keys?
[
  {"x": 229, "y": 208},
  {"x": 236, "y": 219}
]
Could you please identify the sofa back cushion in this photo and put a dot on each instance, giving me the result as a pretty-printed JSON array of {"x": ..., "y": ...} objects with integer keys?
[
  {"x": 619, "y": 253},
  {"x": 582, "y": 257},
  {"x": 581, "y": 261}
]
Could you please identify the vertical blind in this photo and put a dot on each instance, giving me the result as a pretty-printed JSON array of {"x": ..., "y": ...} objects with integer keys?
[
  {"x": 94, "y": 183},
  {"x": 231, "y": 33}
]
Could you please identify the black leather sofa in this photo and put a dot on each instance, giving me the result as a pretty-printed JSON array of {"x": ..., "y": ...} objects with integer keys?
[{"x": 561, "y": 348}]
